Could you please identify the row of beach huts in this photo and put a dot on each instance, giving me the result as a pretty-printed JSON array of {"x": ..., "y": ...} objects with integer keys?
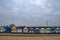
[{"x": 29, "y": 30}]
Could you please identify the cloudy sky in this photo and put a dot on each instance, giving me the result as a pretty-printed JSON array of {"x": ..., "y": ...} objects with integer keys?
[{"x": 30, "y": 12}]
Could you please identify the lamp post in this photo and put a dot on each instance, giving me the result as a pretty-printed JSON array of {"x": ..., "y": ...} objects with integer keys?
[{"x": 47, "y": 23}]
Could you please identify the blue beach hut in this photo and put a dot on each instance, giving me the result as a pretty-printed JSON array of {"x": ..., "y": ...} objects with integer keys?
[
  {"x": 37, "y": 31},
  {"x": 57, "y": 30},
  {"x": 53, "y": 30},
  {"x": 8, "y": 29}
]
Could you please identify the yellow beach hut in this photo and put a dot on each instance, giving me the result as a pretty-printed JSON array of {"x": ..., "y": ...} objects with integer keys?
[{"x": 13, "y": 29}]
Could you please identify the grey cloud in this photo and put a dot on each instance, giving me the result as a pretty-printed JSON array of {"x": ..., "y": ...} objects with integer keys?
[{"x": 28, "y": 13}]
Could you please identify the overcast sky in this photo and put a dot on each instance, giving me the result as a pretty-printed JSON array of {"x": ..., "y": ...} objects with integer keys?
[{"x": 30, "y": 12}]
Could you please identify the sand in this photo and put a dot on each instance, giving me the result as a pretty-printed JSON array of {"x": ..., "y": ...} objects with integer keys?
[{"x": 30, "y": 37}]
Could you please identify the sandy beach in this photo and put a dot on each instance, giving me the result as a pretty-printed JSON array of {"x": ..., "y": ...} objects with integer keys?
[{"x": 5, "y": 36}]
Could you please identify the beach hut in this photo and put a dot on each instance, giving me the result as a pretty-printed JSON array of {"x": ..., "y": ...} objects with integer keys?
[
  {"x": 2, "y": 29},
  {"x": 53, "y": 30},
  {"x": 8, "y": 29},
  {"x": 25, "y": 30},
  {"x": 42, "y": 30},
  {"x": 13, "y": 29},
  {"x": 31, "y": 30},
  {"x": 57, "y": 30},
  {"x": 19, "y": 30},
  {"x": 48, "y": 31},
  {"x": 37, "y": 31}
]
